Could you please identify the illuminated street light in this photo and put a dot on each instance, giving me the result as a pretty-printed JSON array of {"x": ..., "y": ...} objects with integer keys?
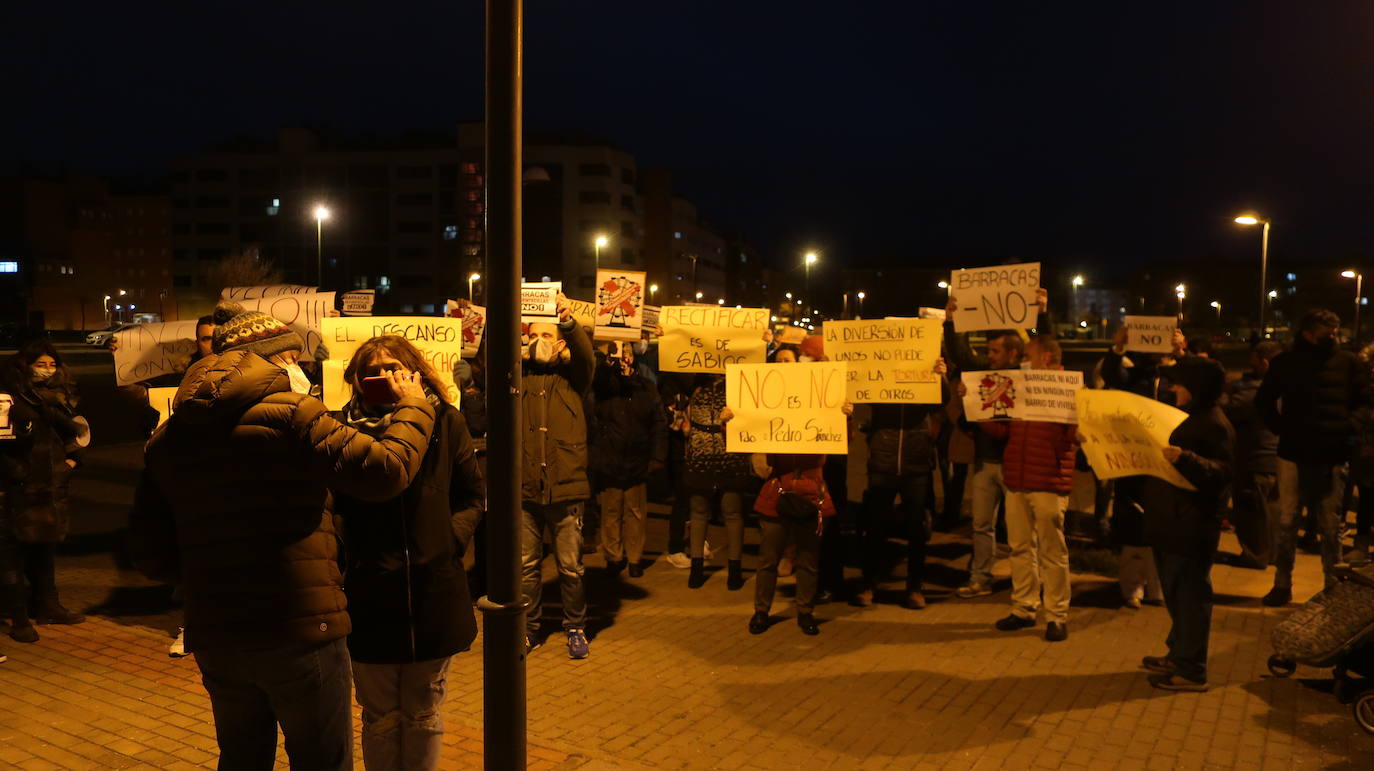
[
  {"x": 653, "y": 290},
  {"x": 600, "y": 241},
  {"x": 699, "y": 296},
  {"x": 1181, "y": 292},
  {"x": 471, "y": 279},
  {"x": 1359, "y": 287},
  {"x": 809, "y": 260},
  {"x": 1217, "y": 305},
  {"x": 721, "y": 301},
  {"x": 1077, "y": 281},
  {"x": 321, "y": 214},
  {"x": 861, "y": 297},
  {"x": 1255, "y": 219},
  {"x": 943, "y": 285}
]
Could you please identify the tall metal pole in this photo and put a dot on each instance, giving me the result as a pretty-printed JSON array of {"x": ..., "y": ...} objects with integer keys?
[
  {"x": 319, "y": 251},
  {"x": 503, "y": 639},
  {"x": 1264, "y": 275},
  {"x": 1355, "y": 330}
]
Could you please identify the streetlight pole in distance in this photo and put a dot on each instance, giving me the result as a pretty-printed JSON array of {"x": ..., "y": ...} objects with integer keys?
[
  {"x": 600, "y": 241},
  {"x": 861, "y": 296},
  {"x": 1359, "y": 289},
  {"x": 653, "y": 294},
  {"x": 1217, "y": 305},
  {"x": 1180, "y": 292},
  {"x": 472, "y": 278},
  {"x": 321, "y": 214},
  {"x": 808, "y": 260},
  {"x": 1255, "y": 219}
]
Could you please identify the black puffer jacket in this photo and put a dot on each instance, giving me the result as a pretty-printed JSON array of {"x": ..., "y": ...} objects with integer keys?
[
  {"x": 555, "y": 446},
  {"x": 1320, "y": 390},
  {"x": 407, "y": 591},
  {"x": 41, "y": 436},
  {"x": 1256, "y": 446},
  {"x": 1186, "y": 522},
  {"x": 900, "y": 440},
  {"x": 627, "y": 429}
]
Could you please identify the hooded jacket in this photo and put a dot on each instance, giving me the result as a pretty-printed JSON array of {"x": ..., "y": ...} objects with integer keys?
[
  {"x": 628, "y": 428},
  {"x": 900, "y": 440},
  {"x": 234, "y": 502},
  {"x": 41, "y": 435},
  {"x": 555, "y": 446},
  {"x": 1320, "y": 390},
  {"x": 1187, "y": 522}
]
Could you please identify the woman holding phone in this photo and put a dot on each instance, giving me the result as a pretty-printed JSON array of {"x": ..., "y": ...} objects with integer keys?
[{"x": 407, "y": 592}]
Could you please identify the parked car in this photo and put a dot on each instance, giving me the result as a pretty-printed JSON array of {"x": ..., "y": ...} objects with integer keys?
[{"x": 101, "y": 337}]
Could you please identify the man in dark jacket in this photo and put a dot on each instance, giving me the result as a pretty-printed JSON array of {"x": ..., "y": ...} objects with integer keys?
[
  {"x": 629, "y": 439},
  {"x": 234, "y": 505},
  {"x": 556, "y": 376},
  {"x": 1255, "y": 493},
  {"x": 1308, "y": 398},
  {"x": 1183, "y": 526}
]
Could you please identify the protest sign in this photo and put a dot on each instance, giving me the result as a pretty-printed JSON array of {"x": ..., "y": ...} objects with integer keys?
[
  {"x": 619, "y": 304},
  {"x": 786, "y": 408},
  {"x": 439, "y": 339},
  {"x": 583, "y": 311},
  {"x": 474, "y": 319},
  {"x": 241, "y": 293},
  {"x": 539, "y": 302},
  {"x": 792, "y": 335},
  {"x": 301, "y": 312},
  {"x": 161, "y": 400},
  {"x": 650, "y": 318},
  {"x": 1125, "y": 435},
  {"x": 890, "y": 361},
  {"x": 149, "y": 350},
  {"x": 1150, "y": 334},
  {"x": 357, "y": 302},
  {"x": 998, "y": 297},
  {"x": 706, "y": 338},
  {"x": 1045, "y": 395},
  {"x": 931, "y": 313}
]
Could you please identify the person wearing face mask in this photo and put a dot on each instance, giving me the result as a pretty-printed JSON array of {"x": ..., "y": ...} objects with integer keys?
[
  {"x": 556, "y": 375},
  {"x": 1309, "y": 398},
  {"x": 407, "y": 592},
  {"x": 629, "y": 440},
  {"x": 234, "y": 504},
  {"x": 38, "y": 453}
]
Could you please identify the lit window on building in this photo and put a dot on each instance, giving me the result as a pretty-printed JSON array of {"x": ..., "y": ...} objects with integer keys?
[
  {"x": 1292, "y": 277},
  {"x": 384, "y": 283},
  {"x": 274, "y": 208},
  {"x": 677, "y": 234},
  {"x": 9, "y": 266},
  {"x": 450, "y": 232}
]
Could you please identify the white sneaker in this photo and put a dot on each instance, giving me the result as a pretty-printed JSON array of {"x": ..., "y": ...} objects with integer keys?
[
  {"x": 707, "y": 551},
  {"x": 679, "y": 560},
  {"x": 178, "y": 647}
]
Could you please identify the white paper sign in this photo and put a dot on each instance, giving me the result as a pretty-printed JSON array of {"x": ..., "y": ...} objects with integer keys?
[
  {"x": 150, "y": 350},
  {"x": 357, "y": 302},
  {"x": 439, "y": 339},
  {"x": 997, "y": 297},
  {"x": 650, "y": 318},
  {"x": 619, "y": 304},
  {"x": 240, "y": 293},
  {"x": 1150, "y": 334},
  {"x": 161, "y": 400},
  {"x": 474, "y": 325},
  {"x": 539, "y": 301},
  {"x": 1044, "y": 395}
]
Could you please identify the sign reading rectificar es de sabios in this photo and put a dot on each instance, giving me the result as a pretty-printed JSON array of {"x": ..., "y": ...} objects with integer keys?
[{"x": 996, "y": 297}]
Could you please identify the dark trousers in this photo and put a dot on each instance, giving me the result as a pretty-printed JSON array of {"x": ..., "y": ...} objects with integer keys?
[
  {"x": 879, "y": 508},
  {"x": 776, "y": 532},
  {"x": 1256, "y": 500},
  {"x": 955, "y": 481},
  {"x": 40, "y": 569},
  {"x": 1187, "y": 583},
  {"x": 307, "y": 690}
]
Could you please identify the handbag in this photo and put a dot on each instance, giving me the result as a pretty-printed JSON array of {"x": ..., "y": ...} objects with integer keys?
[{"x": 798, "y": 507}]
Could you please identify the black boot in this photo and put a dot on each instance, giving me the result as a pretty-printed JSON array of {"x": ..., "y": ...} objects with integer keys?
[
  {"x": 735, "y": 580},
  {"x": 697, "y": 577}
]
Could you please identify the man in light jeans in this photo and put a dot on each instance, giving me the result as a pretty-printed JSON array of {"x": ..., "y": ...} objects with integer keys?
[
  {"x": 987, "y": 499},
  {"x": 415, "y": 697},
  {"x": 1320, "y": 489}
]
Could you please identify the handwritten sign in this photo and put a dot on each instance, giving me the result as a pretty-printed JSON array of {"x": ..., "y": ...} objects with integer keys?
[
  {"x": 786, "y": 408},
  {"x": 301, "y": 312},
  {"x": 150, "y": 350},
  {"x": 890, "y": 361},
  {"x": 358, "y": 302},
  {"x": 539, "y": 301},
  {"x": 619, "y": 304},
  {"x": 1044, "y": 395},
  {"x": 161, "y": 400},
  {"x": 474, "y": 319},
  {"x": 1150, "y": 334},
  {"x": 1125, "y": 435},
  {"x": 650, "y": 319},
  {"x": 439, "y": 339},
  {"x": 999, "y": 297},
  {"x": 792, "y": 336},
  {"x": 240, "y": 293},
  {"x": 707, "y": 338},
  {"x": 583, "y": 311}
]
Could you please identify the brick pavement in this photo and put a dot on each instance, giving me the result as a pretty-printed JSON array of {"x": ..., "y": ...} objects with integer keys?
[{"x": 675, "y": 681}]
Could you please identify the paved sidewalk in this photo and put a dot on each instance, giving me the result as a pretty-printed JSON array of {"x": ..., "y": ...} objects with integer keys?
[{"x": 676, "y": 681}]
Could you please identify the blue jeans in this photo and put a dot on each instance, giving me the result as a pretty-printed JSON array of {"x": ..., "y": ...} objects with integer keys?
[
  {"x": 1187, "y": 583},
  {"x": 308, "y": 690},
  {"x": 565, "y": 520},
  {"x": 1320, "y": 488},
  {"x": 403, "y": 719}
]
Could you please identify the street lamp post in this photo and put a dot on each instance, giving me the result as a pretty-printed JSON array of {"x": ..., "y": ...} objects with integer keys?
[
  {"x": 321, "y": 214},
  {"x": 1359, "y": 288},
  {"x": 599, "y": 242},
  {"x": 861, "y": 296},
  {"x": 472, "y": 277},
  {"x": 1180, "y": 292},
  {"x": 1255, "y": 219},
  {"x": 1217, "y": 305},
  {"x": 653, "y": 294},
  {"x": 808, "y": 261}
]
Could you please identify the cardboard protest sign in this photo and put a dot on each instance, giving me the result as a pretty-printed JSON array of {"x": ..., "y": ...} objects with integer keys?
[
  {"x": 1150, "y": 334},
  {"x": 161, "y": 400},
  {"x": 539, "y": 301},
  {"x": 241, "y": 293},
  {"x": 706, "y": 338},
  {"x": 786, "y": 408},
  {"x": 998, "y": 297},
  {"x": 931, "y": 313},
  {"x": 1125, "y": 435},
  {"x": 474, "y": 318},
  {"x": 1045, "y": 395},
  {"x": 439, "y": 339},
  {"x": 650, "y": 318},
  {"x": 357, "y": 302},
  {"x": 583, "y": 311},
  {"x": 619, "y": 304},
  {"x": 301, "y": 312},
  {"x": 792, "y": 335},
  {"x": 890, "y": 361},
  {"x": 149, "y": 350}
]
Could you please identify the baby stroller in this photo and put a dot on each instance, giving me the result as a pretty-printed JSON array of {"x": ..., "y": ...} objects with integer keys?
[{"x": 1334, "y": 629}]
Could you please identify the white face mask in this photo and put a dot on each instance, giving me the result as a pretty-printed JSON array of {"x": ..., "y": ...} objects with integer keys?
[
  {"x": 42, "y": 374},
  {"x": 299, "y": 382},
  {"x": 541, "y": 350}
]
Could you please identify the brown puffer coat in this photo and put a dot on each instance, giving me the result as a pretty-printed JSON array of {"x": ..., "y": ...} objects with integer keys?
[{"x": 234, "y": 502}]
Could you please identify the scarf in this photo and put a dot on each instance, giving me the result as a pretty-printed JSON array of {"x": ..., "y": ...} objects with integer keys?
[{"x": 375, "y": 419}]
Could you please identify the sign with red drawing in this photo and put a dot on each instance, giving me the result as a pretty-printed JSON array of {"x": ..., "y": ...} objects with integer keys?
[
  {"x": 619, "y": 304},
  {"x": 474, "y": 324},
  {"x": 1046, "y": 395}
]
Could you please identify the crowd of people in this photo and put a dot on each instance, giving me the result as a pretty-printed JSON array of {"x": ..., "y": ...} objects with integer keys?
[{"x": 320, "y": 554}]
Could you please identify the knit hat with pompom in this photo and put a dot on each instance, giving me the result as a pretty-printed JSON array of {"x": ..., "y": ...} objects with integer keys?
[{"x": 239, "y": 330}]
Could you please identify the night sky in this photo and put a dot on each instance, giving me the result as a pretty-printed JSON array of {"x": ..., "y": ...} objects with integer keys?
[{"x": 1092, "y": 134}]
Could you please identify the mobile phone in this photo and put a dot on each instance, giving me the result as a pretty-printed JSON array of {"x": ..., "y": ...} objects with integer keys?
[{"x": 377, "y": 390}]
